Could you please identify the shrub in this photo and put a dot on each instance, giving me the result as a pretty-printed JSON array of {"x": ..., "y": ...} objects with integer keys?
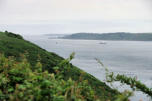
[{"x": 18, "y": 82}]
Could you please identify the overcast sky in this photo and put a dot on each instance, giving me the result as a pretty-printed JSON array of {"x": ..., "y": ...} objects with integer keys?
[{"x": 70, "y": 16}]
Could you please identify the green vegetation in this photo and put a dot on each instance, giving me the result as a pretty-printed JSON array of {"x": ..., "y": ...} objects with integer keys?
[
  {"x": 134, "y": 84},
  {"x": 22, "y": 79},
  {"x": 18, "y": 82},
  {"x": 14, "y": 45},
  {"x": 111, "y": 36}
]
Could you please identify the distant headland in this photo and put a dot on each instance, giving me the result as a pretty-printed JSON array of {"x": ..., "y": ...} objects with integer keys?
[{"x": 111, "y": 36}]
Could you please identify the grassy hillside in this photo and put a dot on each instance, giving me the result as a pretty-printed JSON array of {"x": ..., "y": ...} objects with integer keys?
[{"x": 14, "y": 45}]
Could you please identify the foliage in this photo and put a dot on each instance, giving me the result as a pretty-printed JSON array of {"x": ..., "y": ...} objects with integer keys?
[
  {"x": 10, "y": 34},
  {"x": 11, "y": 46},
  {"x": 132, "y": 82},
  {"x": 18, "y": 82}
]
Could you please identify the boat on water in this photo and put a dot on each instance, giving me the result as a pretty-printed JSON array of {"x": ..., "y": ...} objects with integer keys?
[{"x": 102, "y": 42}]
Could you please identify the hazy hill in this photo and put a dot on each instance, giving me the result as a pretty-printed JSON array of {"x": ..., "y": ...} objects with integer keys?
[{"x": 111, "y": 36}]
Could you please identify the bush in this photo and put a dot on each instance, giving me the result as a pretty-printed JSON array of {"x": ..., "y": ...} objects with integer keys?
[
  {"x": 18, "y": 82},
  {"x": 10, "y": 34}
]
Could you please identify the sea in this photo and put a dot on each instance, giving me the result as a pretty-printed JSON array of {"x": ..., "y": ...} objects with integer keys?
[{"x": 131, "y": 58}]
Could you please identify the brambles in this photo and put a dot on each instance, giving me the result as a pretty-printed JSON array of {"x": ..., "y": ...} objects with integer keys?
[
  {"x": 134, "y": 84},
  {"x": 19, "y": 82}
]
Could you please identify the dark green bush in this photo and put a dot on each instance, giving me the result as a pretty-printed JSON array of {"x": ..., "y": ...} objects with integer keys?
[
  {"x": 10, "y": 34},
  {"x": 18, "y": 82}
]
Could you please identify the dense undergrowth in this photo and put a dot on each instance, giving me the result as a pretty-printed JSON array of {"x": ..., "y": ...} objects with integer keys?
[
  {"x": 14, "y": 45},
  {"x": 20, "y": 82}
]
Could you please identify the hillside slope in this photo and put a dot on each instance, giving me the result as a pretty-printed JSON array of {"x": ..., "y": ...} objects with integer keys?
[{"x": 14, "y": 45}]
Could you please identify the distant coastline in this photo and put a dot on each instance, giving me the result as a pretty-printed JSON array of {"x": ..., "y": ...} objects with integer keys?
[{"x": 111, "y": 36}]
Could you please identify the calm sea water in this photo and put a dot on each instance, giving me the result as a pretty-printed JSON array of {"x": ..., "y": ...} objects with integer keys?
[{"x": 132, "y": 58}]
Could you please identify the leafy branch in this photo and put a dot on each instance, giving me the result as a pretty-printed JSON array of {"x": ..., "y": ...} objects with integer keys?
[{"x": 135, "y": 84}]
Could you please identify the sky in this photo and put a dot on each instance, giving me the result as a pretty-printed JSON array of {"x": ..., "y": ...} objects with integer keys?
[{"x": 72, "y": 16}]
